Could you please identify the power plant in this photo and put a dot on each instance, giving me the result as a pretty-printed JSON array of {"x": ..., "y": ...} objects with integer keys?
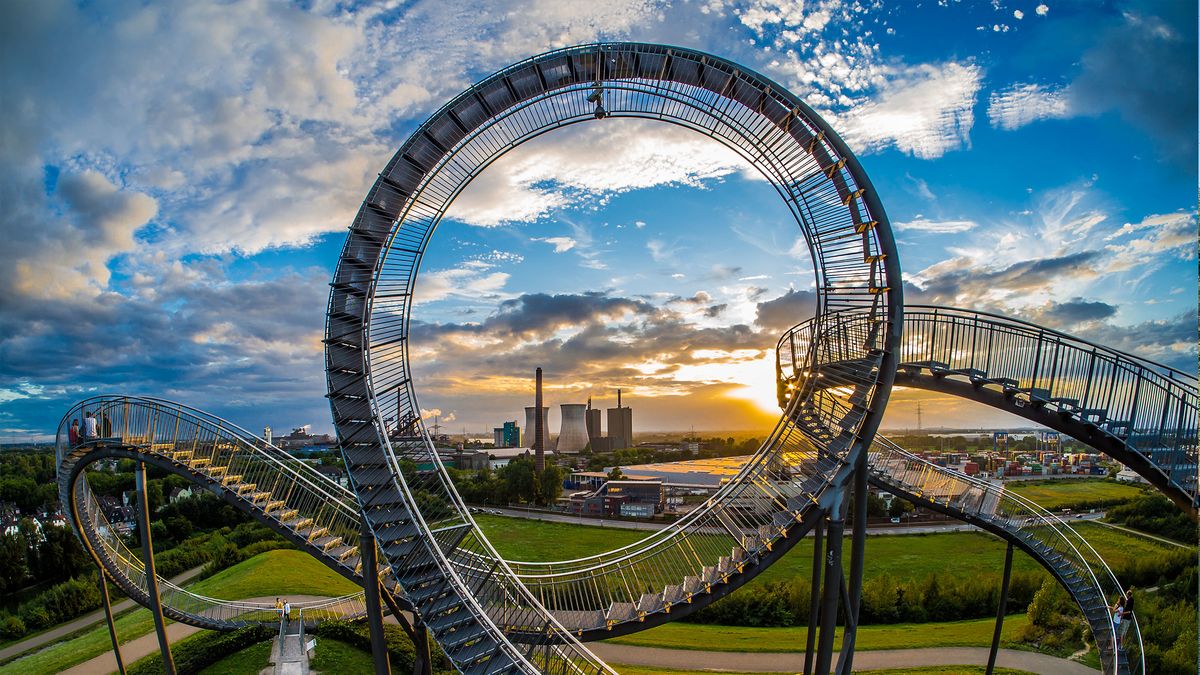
[
  {"x": 579, "y": 428},
  {"x": 573, "y": 433}
]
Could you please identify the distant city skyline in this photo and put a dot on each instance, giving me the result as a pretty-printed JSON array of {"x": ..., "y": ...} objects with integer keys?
[{"x": 172, "y": 225}]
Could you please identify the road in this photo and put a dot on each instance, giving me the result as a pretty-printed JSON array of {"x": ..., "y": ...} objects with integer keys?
[{"x": 85, "y": 621}]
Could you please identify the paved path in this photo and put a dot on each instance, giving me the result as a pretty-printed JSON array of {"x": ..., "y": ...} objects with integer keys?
[
  {"x": 82, "y": 622},
  {"x": 863, "y": 660}
]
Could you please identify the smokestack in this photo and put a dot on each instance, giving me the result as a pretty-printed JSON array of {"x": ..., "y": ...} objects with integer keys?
[
  {"x": 618, "y": 398},
  {"x": 539, "y": 452}
]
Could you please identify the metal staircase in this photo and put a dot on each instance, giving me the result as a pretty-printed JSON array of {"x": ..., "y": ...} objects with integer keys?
[{"x": 1142, "y": 413}]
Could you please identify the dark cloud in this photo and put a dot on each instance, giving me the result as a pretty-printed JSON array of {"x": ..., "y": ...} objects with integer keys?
[
  {"x": 1071, "y": 313},
  {"x": 1170, "y": 341},
  {"x": 789, "y": 309},
  {"x": 540, "y": 312},
  {"x": 1145, "y": 67},
  {"x": 960, "y": 281}
]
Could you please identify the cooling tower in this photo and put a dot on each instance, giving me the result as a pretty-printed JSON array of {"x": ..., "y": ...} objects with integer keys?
[
  {"x": 531, "y": 424},
  {"x": 573, "y": 435}
]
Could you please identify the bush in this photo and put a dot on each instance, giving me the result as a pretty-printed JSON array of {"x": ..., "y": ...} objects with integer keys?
[
  {"x": 199, "y": 651},
  {"x": 401, "y": 651},
  {"x": 61, "y": 602},
  {"x": 11, "y": 627}
]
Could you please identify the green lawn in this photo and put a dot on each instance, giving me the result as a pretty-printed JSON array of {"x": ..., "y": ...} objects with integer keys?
[
  {"x": 1119, "y": 547},
  {"x": 335, "y": 656},
  {"x": 63, "y": 655},
  {"x": 681, "y": 635},
  {"x": 281, "y": 572},
  {"x": 1074, "y": 493},
  {"x": 249, "y": 661},
  {"x": 905, "y": 557}
]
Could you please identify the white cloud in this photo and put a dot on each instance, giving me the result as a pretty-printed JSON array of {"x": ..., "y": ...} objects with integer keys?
[
  {"x": 925, "y": 112},
  {"x": 937, "y": 226},
  {"x": 1025, "y": 103},
  {"x": 1018, "y": 14},
  {"x": 468, "y": 283},
  {"x": 560, "y": 244},
  {"x": 1173, "y": 234},
  {"x": 582, "y": 164},
  {"x": 1042, "y": 10}
]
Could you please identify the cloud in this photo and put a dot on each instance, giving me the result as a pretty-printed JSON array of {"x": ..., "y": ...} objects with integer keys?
[
  {"x": 1025, "y": 103},
  {"x": 1068, "y": 315},
  {"x": 789, "y": 309},
  {"x": 1142, "y": 246},
  {"x": 560, "y": 244},
  {"x": 580, "y": 165},
  {"x": 924, "y": 110},
  {"x": 1042, "y": 10},
  {"x": 963, "y": 282},
  {"x": 936, "y": 226}
]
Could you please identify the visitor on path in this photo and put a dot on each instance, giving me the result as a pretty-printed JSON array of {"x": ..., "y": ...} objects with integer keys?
[
  {"x": 90, "y": 429},
  {"x": 105, "y": 425},
  {"x": 287, "y": 610},
  {"x": 279, "y": 608},
  {"x": 1126, "y": 615},
  {"x": 1116, "y": 620},
  {"x": 73, "y": 433}
]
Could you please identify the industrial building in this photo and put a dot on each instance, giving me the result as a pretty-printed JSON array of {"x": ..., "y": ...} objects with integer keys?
[
  {"x": 531, "y": 423},
  {"x": 620, "y": 426},
  {"x": 507, "y": 436},
  {"x": 593, "y": 419},
  {"x": 572, "y": 432},
  {"x": 630, "y": 498}
]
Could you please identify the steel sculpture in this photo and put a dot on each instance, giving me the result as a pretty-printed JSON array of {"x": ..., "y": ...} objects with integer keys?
[{"x": 834, "y": 373}]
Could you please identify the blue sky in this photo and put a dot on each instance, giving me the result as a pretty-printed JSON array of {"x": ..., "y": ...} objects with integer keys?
[{"x": 177, "y": 181}]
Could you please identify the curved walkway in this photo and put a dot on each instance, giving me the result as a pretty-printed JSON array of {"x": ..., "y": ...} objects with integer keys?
[{"x": 774, "y": 662}]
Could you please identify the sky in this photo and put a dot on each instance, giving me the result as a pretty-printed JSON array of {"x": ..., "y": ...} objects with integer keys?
[{"x": 177, "y": 180}]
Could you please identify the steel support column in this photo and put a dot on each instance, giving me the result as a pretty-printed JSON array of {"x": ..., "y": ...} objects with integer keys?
[
  {"x": 832, "y": 586},
  {"x": 164, "y": 644},
  {"x": 814, "y": 598},
  {"x": 857, "y": 558},
  {"x": 112, "y": 627},
  {"x": 366, "y": 549},
  {"x": 1001, "y": 607},
  {"x": 423, "y": 663}
]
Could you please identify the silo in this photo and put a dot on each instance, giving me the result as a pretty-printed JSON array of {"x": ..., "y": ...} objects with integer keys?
[
  {"x": 573, "y": 435},
  {"x": 531, "y": 424}
]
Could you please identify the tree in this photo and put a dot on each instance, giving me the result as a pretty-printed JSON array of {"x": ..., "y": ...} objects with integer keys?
[
  {"x": 899, "y": 507},
  {"x": 13, "y": 568},
  {"x": 616, "y": 474},
  {"x": 551, "y": 481}
]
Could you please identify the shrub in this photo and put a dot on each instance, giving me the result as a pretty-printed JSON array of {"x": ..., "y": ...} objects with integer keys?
[
  {"x": 193, "y": 654},
  {"x": 11, "y": 627},
  {"x": 401, "y": 651}
]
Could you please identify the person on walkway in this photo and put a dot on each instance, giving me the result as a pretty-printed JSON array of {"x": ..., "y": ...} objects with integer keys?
[
  {"x": 279, "y": 608},
  {"x": 73, "y": 433},
  {"x": 91, "y": 430},
  {"x": 105, "y": 425},
  {"x": 1126, "y": 616},
  {"x": 287, "y": 610},
  {"x": 1117, "y": 610}
]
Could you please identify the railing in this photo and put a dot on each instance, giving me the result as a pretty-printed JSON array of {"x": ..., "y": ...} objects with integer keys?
[
  {"x": 1148, "y": 407},
  {"x": 214, "y": 453},
  {"x": 1067, "y": 553}
]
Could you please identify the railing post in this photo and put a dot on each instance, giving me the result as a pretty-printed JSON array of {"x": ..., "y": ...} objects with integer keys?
[
  {"x": 164, "y": 644},
  {"x": 1002, "y": 607},
  {"x": 814, "y": 599},
  {"x": 366, "y": 549},
  {"x": 112, "y": 627}
]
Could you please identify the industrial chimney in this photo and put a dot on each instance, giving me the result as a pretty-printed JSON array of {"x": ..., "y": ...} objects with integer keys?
[{"x": 539, "y": 429}]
